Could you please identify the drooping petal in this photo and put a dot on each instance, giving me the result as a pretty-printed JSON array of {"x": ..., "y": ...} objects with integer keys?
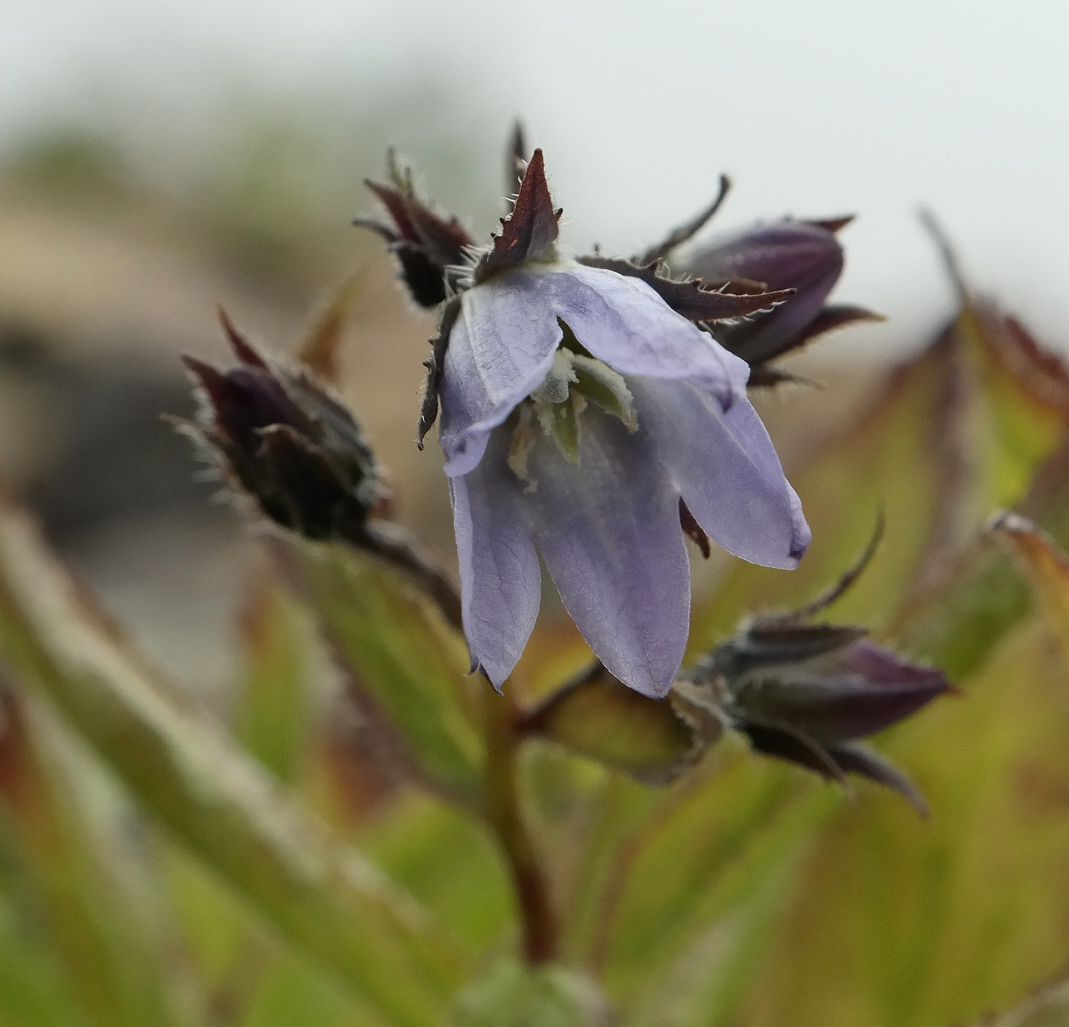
[
  {"x": 500, "y": 577},
  {"x": 726, "y": 470},
  {"x": 500, "y": 349},
  {"x": 609, "y": 533},
  {"x": 622, "y": 321}
]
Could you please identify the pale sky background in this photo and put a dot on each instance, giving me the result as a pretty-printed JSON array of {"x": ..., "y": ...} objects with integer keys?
[{"x": 814, "y": 109}]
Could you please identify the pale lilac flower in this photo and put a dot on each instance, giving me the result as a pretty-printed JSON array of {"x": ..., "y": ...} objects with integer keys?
[{"x": 582, "y": 418}]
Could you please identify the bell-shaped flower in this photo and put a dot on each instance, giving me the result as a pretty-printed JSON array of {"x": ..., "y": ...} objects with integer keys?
[{"x": 585, "y": 418}]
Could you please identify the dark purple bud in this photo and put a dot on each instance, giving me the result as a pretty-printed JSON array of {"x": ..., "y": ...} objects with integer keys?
[
  {"x": 293, "y": 447},
  {"x": 805, "y": 692},
  {"x": 428, "y": 247},
  {"x": 800, "y": 255},
  {"x": 850, "y": 691}
]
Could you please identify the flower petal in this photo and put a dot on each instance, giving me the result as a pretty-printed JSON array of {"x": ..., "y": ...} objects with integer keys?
[
  {"x": 609, "y": 533},
  {"x": 622, "y": 321},
  {"x": 500, "y": 349},
  {"x": 500, "y": 577},
  {"x": 726, "y": 470}
]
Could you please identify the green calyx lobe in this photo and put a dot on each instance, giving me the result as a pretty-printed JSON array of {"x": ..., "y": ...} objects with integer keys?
[{"x": 575, "y": 380}]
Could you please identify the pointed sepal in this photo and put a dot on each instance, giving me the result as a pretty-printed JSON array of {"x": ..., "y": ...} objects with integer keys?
[
  {"x": 427, "y": 245},
  {"x": 529, "y": 233},
  {"x": 693, "y": 298}
]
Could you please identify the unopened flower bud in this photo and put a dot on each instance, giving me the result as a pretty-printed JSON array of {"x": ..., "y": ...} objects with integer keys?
[
  {"x": 806, "y": 692},
  {"x": 292, "y": 447},
  {"x": 428, "y": 247},
  {"x": 801, "y": 255}
]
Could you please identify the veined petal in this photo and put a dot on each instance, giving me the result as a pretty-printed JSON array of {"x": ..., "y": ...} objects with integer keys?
[
  {"x": 500, "y": 577},
  {"x": 726, "y": 469},
  {"x": 609, "y": 533},
  {"x": 500, "y": 349},
  {"x": 622, "y": 321}
]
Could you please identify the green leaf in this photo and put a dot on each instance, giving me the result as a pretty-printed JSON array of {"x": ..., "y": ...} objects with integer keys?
[
  {"x": 899, "y": 921},
  {"x": 320, "y": 348},
  {"x": 328, "y": 902},
  {"x": 448, "y": 861},
  {"x": 1046, "y": 565},
  {"x": 272, "y": 716},
  {"x": 404, "y": 666},
  {"x": 514, "y": 995},
  {"x": 701, "y": 865},
  {"x": 63, "y": 832}
]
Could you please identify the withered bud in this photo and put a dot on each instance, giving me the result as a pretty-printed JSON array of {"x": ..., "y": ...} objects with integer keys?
[{"x": 294, "y": 448}]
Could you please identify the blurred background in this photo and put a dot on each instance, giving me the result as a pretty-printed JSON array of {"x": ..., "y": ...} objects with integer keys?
[{"x": 157, "y": 159}]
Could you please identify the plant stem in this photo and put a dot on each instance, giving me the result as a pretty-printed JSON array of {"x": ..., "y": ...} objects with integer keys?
[
  {"x": 540, "y": 925},
  {"x": 502, "y": 730}
]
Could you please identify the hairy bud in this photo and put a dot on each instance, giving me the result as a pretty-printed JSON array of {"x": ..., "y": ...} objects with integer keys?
[{"x": 288, "y": 443}]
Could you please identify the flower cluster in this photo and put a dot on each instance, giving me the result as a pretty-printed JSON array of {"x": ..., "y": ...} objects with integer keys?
[{"x": 592, "y": 417}]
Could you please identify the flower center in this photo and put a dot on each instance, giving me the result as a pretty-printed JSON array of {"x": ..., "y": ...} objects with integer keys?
[{"x": 555, "y": 408}]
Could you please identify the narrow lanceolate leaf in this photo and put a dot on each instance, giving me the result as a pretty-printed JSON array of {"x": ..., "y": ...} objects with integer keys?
[
  {"x": 272, "y": 715},
  {"x": 511, "y": 994},
  {"x": 1046, "y": 565},
  {"x": 321, "y": 346},
  {"x": 404, "y": 667},
  {"x": 330, "y": 904},
  {"x": 598, "y": 717},
  {"x": 529, "y": 233},
  {"x": 65, "y": 854}
]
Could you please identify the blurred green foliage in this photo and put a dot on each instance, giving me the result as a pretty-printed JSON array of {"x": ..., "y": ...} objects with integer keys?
[{"x": 329, "y": 854}]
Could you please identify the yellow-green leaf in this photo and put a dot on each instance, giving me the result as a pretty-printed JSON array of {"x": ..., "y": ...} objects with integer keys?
[{"x": 327, "y": 901}]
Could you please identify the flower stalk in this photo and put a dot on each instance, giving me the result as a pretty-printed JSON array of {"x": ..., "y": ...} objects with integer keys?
[{"x": 538, "y": 918}]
